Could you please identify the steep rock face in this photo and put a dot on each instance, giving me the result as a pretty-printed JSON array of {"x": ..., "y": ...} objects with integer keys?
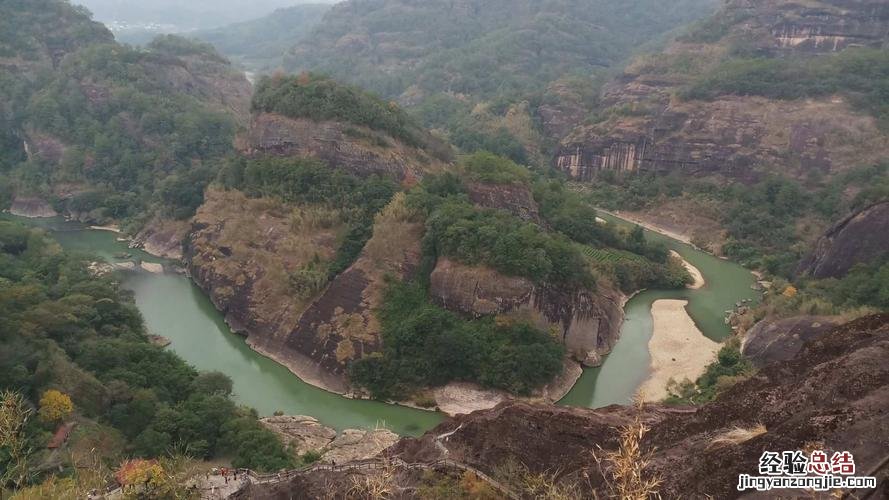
[
  {"x": 513, "y": 198},
  {"x": 740, "y": 137},
  {"x": 784, "y": 26},
  {"x": 771, "y": 341},
  {"x": 243, "y": 251},
  {"x": 832, "y": 395},
  {"x": 357, "y": 150},
  {"x": 340, "y": 325},
  {"x": 587, "y": 322},
  {"x": 162, "y": 238},
  {"x": 31, "y": 207},
  {"x": 859, "y": 238}
]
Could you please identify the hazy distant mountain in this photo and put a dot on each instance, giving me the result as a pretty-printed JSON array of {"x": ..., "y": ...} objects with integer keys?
[
  {"x": 137, "y": 21},
  {"x": 259, "y": 44}
]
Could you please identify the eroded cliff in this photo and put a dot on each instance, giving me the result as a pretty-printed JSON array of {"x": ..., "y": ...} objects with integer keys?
[
  {"x": 586, "y": 321},
  {"x": 649, "y": 125}
]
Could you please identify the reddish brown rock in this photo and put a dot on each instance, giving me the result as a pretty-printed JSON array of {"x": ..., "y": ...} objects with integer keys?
[
  {"x": 587, "y": 322},
  {"x": 357, "y": 150}
]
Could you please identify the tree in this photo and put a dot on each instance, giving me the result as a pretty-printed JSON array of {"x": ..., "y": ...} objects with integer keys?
[{"x": 55, "y": 406}]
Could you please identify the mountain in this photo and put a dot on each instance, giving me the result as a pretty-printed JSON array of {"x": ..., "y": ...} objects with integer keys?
[
  {"x": 259, "y": 45},
  {"x": 340, "y": 238},
  {"x": 763, "y": 124},
  {"x": 477, "y": 68},
  {"x": 100, "y": 129},
  {"x": 184, "y": 16}
]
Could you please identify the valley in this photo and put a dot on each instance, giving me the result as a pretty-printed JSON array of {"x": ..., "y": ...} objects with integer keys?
[{"x": 444, "y": 249}]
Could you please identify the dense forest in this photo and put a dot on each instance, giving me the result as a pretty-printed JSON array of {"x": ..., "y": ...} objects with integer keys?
[
  {"x": 118, "y": 132},
  {"x": 74, "y": 346},
  {"x": 476, "y": 70}
]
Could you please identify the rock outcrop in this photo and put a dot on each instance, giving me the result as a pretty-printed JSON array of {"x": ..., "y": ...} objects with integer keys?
[
  {"x": 862, "y": 237},
  {"x": 357, "y": 150},
  {"x": 162, "y": 238},
  {"x": 832, "y": 395},
  {"x": 242, "y": 252},
  {"x": 305, "y": 434},
  {"x": 245, "y": 254},
  {"x": 587, "y": 322},
  {"x": 31, "y": 207},
  {"x": 515, "y": 198},
  {"x": 340, "y": 325},
  {"x": 647, "y": 128},
  {"x": 775, "y": 340}
]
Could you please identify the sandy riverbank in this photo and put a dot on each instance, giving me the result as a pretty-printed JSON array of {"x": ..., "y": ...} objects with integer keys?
[
  {"x": 678, "y": 348},
  {"x": 651, "y": 227},
  {"x": 697, "y": 278}
]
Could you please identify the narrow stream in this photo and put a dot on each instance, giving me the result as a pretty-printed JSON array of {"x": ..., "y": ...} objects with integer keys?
[{"x": 177, "y": 309}]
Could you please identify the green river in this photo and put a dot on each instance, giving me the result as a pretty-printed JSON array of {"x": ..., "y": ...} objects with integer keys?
[{"x": 177, "y": 309}]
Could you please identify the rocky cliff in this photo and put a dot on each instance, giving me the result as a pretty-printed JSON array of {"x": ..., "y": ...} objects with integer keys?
[
  {"x": 586, "y": 321},
  {"x": 862, "y": 237},
  {"x": 354, "y": 149},
  {"x": 832, "y": 396},
  {"x": 249, "y": 255},
  {"x": 340, "y": 325},
  {"x": 646, "y": 127},
  {"x": 243, "y": 252},
  {"x": 31, "y": 207}
]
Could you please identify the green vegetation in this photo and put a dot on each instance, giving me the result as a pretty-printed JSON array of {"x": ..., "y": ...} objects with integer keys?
[
  {"x": 427, "y": 346},
  {"x": 729, "y": 368},
  {"x": 308, "y": 181},
  {"x": 62, "y": 329},
  {"x": 32, "y": 29},
  {"x": 319, "y": 98},
  {"x": 514, "y": 247},
  {"x": 861, "y": 74},
  {"x": 769, "y": 223},
  {"x": 260, "y": 44},
  {"x": 492, "y": 169},
  {"x": 131, "y": 132},
  {"x": 446, "y": 60}
]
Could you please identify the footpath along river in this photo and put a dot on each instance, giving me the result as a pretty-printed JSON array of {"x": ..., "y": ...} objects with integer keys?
[{"x": 177, "y": 309}]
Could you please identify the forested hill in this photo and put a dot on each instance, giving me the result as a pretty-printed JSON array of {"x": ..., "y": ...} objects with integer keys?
[
  {"x": 104, "y": 130},
  {"x": 35, "y": 31},
  {"x": 260, "y": 44},
  {"x": 445, "y": 57}
]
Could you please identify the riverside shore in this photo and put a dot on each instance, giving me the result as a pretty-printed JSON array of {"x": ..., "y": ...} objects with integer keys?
[
  {"x": 697, "y": 278},
  {"x": 678, "y": 349}
]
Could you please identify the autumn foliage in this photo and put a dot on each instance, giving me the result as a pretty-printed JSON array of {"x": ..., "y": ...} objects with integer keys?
[{"x": 55, "y": 406}]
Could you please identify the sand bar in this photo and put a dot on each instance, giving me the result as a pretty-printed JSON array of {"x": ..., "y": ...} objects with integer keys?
[
  {"x": 678, "y": 349},
  {"x": 697, "y": 277}
]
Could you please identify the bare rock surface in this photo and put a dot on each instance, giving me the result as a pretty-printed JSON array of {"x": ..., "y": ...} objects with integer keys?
[
  {"x": 31, "y": 207},
  {"x": 304, "y": 434},
  {"x": 587, "y": 322},
  {"x": 773, "y": 340},
  {"x": 860, "y": 238}
]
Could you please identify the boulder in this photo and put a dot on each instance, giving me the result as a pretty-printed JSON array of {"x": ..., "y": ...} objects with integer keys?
[
  {"x": 773, "y": 340},
  {"x": 861, "y": 237}
]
